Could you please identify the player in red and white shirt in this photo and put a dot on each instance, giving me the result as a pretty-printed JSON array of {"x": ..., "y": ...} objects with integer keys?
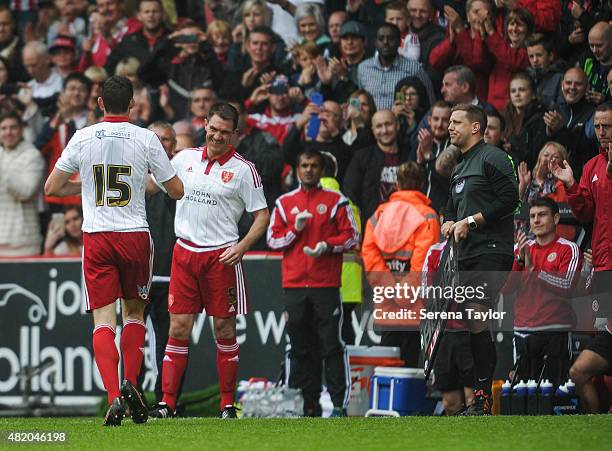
[
  {"x": 544, "y": 274},
  {"x": 591, "y": 201},
  {"x": 206, "y": 264},
  {"x": 113, "y": 158}
]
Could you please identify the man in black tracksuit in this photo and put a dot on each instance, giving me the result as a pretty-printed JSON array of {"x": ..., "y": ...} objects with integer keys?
[
  {"x": 479, "y": 214},
  {"x": 160, "y": 216}
]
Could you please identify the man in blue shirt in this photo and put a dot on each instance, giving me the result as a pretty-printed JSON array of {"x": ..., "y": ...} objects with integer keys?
[{"x": 379, "y": 74}]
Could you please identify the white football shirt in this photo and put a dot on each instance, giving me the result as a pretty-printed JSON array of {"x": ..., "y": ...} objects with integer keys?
[
  {"x": 114, "y": 158},
  {"x": 217, "y": 192}
]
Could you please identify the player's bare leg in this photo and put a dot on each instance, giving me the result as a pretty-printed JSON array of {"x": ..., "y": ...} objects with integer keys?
[
  {"x": 107, "y": 359},
  {"x": 227, "y": 363},
  {"x": 175, "y": 362},
  {"x": 468, "y": 395},
  {"x": 132, "y": 350},
  {"x": 455, "y": 401},
  {"x": 587, "y": 365},
  {"x": 452, "y": 401}
]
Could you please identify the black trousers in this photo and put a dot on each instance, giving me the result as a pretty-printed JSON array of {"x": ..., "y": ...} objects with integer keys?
[
  {"x": 531, "y": 349},
  {"x": 314, "y": 324},
  {"x": 348, "y": 334}
]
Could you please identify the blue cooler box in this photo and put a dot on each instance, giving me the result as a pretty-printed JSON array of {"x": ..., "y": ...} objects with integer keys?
[{"x": 397, "y": 391}]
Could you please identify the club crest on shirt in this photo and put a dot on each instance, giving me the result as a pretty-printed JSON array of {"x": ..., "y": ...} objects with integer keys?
[
  {"x": 295, "y": 210},
  {"x": 226, "y": 176},
  {"x": 551, "y": 257},
  {"x": 232, "y": 298},
  {"x": 143, "y": 292},
  {"x": 459, "y": 186},
  {"x": 321, "y": 209}
]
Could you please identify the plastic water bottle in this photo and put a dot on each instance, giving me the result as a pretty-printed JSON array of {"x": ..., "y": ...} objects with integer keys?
[
  {"x": 254, "y": 398},
  {"x": 265, "y": 406},
  {"x": 281, "y": 401},
  {"x": 546, "y": 388},
  {"x": 562, "y": 391},
  {"x": 571, "y": 387},
  {"x": 519, "y": 397},
  {"x": 247, "y": 403},
  {"x": 298, "y": 403},
  {"x": 278, "y": 399},
  {"x": 257, "y": 402},
  {"x": 532, "y": 397},
  {"x": 506, "y": 397},
  {"x": 292, "y": 403},
  {"x": 545, "y": 402}
]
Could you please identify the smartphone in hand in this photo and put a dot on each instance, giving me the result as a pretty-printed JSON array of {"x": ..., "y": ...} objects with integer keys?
[
  {"x": 186, "y": 39},
  {"x": 314, "y": 123}
]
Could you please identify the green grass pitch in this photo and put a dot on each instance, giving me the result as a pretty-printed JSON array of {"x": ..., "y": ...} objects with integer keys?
[{"x": 342, "y": 434}]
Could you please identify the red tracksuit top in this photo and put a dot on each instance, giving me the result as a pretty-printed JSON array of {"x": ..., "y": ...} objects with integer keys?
[
  {"x": 591, "y": 201},
  {"x": 332, "y": 222},
  {"x": 542, "y": 300}
]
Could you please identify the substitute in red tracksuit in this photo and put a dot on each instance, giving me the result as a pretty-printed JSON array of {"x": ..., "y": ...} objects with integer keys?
[
  {"x": 591, "y": 200},
  {"x": 313, "y": 226},
  {"x": 545, "y": 273}
]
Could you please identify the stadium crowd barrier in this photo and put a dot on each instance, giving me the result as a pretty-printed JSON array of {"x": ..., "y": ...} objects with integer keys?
[{"x": 43, "y": 320}]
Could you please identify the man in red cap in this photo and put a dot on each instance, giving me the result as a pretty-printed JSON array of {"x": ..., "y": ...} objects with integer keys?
[{"x": 63, "y": 55}]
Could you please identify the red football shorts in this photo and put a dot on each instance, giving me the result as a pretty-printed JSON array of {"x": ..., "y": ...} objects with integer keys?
[
  {"x": 116, "y": 265},
  {"x": 199, "y": 282}
]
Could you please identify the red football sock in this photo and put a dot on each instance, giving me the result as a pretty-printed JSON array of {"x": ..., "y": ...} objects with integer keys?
[
  {"x": 227, "y": 369},
  {"x": 107, "y": 359},
  {"x": 132, "y": 348},
  {"x": 175, "y": 362}
]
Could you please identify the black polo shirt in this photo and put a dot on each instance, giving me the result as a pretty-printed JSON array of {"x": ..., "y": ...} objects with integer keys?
[{"x": 485, "y": 181}]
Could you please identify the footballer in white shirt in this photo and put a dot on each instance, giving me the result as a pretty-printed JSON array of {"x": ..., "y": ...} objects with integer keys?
[
  {"x": 220, "y": 185},
  {"x": 114, "y": 158}
]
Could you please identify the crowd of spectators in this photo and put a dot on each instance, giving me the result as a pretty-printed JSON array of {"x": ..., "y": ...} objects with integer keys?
[{"x": 369, "y": 83}]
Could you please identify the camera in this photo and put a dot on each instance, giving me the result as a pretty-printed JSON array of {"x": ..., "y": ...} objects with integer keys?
[{"x": 186, "y": 39}]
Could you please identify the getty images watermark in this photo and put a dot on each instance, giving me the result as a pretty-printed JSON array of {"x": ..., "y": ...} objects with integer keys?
[{"x": 401, "y": 294}]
